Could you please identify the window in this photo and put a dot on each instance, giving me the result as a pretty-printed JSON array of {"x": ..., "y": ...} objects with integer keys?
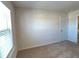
[{"x": 5, "y": 31}]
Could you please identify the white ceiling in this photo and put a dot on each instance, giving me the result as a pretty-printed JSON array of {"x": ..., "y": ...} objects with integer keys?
[{"x": 65, "y": 6}]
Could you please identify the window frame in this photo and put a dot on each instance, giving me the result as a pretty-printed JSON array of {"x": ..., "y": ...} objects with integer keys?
[{"x": 7, "y": 29}]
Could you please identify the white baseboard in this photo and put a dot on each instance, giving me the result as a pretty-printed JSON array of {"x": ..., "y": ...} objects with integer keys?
[{"x": 38, "y": 45}]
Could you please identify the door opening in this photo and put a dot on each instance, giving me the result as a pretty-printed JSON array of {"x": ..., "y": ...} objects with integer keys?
[{"x": 78, "y": 30}]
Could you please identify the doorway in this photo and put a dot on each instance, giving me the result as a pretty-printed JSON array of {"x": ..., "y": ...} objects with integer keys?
[{"x": 78, "y": 30}]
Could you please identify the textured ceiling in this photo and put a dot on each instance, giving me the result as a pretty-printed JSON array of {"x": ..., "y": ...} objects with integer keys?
[{"x": 65, "y": 6}]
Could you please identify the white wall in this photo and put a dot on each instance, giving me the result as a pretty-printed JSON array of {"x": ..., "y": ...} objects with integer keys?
[
  {"x": 64, "y": 26},
  {"x": 72, "y": 28},
  {"x": 39, "y": 27},
  {"x": 10, "y": 6}
]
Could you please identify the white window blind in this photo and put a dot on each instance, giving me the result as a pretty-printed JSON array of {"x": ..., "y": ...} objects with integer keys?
[{"x": 6, "y": 42}]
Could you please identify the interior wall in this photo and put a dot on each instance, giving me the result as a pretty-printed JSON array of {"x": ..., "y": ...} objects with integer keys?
[
  {"x": 64, "y": 26},
  {"x": 13, "y": 52},
  {"x": 73, "y": 26},
  {"x": 39, "y": 27}
]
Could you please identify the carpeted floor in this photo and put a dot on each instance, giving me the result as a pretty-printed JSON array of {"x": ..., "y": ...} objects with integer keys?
[{"x": 64, "y": 49}]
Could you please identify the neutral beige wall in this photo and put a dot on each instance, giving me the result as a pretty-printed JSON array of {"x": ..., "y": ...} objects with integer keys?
[
  {"x": 39, "y": 27},
  {"x": 10, "y": 6}
]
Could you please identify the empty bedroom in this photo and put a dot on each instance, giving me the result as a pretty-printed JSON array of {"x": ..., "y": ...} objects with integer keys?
[{"x": 39, "y": 29}]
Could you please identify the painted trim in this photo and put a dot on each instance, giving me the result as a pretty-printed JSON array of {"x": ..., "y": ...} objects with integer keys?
[{"x": 12, "y": 53}]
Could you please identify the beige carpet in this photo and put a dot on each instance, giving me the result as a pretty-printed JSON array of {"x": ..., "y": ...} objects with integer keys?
[{"x": 64, "y": 49}]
